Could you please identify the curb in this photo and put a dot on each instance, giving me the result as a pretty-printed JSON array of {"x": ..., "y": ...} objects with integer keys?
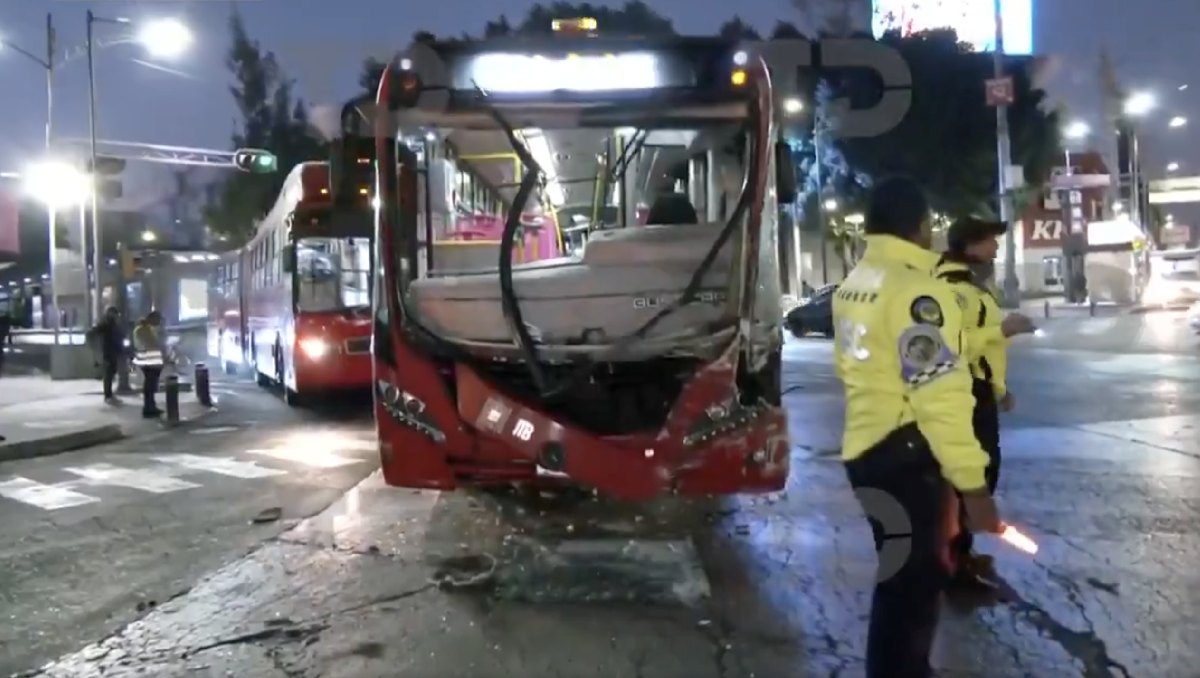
[{"x": 57, "y": 444}]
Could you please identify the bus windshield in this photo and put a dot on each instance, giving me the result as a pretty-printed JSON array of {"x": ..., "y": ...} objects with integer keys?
[
  {"x": 591, "y": 179},
  {"x": 332, "y": 274}
]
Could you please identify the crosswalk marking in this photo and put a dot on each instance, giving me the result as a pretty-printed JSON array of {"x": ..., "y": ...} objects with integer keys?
[
  {"x": 138, "y": 479},
  {"x": 48, "y": 497},
  {"x": 307, "y": 456},
  {"x": 226, "y": 466}
]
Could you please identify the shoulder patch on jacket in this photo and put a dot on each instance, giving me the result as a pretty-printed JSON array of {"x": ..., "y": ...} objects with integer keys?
[{"x": 926, "y": 310}]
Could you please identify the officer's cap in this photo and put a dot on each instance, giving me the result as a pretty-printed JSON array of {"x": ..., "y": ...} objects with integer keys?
[
  {"x": 966, "y": 231},
  {"x": 897, "y": 206}
]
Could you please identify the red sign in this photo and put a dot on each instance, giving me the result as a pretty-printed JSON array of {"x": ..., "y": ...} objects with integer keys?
[
  {"x": 999, "y": 91},
  {"x": 1042, "y": 233},
  {"x": 10, "y": 239}
]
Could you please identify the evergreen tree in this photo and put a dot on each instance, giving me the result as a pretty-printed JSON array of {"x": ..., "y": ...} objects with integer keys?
[{"x": 272, "y": 118}]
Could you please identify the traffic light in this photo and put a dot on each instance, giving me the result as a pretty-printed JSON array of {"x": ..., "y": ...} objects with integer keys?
[
  {"x": 255, "y": 160},
  {"x": 106, "y": 165}
]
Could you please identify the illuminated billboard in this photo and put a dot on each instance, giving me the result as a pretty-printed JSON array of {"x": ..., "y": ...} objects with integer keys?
[{"x": 973, "y": 20}]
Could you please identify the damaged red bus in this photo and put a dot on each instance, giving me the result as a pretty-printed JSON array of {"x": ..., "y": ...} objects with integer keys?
[{"x": 635, "y": 360}]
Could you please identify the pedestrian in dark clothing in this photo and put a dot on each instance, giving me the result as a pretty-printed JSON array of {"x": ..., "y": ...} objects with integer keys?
[
  {"x": 108, "y": 339},
  {"x": 5, "y": 333}
]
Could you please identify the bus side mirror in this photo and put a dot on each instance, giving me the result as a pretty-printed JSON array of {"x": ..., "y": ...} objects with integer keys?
[
  {"x": 289, "y": 258},
  {"x": 786, "y": 188}
]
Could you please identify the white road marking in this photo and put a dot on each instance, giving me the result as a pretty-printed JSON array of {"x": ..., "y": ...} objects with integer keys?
[
  {"x": 48, "y": 497},
  {"x": 226, "y": 466},
  {"x": 138, "y": 479},
  {"x": 307, "y": 457}
]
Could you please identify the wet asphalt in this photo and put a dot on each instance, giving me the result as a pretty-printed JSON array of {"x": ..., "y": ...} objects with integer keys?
[{"x": 1102, "y": 467}]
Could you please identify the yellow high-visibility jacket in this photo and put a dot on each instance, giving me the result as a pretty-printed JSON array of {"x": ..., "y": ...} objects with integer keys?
[
  {"x": 898, "y": 346},
  {"x": 986, "y": 345}
]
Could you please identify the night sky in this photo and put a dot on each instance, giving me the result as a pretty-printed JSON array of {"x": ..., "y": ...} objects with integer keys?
[{"x": 322, "y": 43}]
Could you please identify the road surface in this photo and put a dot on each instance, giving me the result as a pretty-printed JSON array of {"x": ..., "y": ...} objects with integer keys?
[{"x": 1102, "y": 466}]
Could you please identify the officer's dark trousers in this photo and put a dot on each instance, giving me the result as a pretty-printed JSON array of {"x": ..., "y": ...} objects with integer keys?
[
  {"x": 109, "y": 374},
  {"x": 150, "y": 377},
  {"x": 986, "y": 421},
  {"x": 910, "y": 508}
]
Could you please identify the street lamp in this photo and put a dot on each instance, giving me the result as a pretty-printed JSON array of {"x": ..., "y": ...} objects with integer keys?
[
  {"x": 1077, "y": 130},
  {"x": 163, "y": 38},
  {"x": 1177, "y": 122},
  {"x": 56, "y": 184},
  {"x": 830, "y": 205},
  {"x": 792, "y": 106},
  {"x": 1140, "y": 103},
  {"x": 149, "y": 236},
  {"x": 1172, "y": 166}
]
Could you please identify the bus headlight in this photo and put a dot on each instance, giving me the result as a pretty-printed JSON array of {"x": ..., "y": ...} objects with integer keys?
[{"x": 314, "y": 348}]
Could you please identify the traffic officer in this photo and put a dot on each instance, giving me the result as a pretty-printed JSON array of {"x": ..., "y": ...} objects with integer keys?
[
  {"x": 898, "y": 351},
  {"x": 971, "y": 249},
  {"x": 150, "y": 356}
]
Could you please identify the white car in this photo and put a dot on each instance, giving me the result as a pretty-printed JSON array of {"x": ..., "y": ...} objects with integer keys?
[{"x": 1193, "y": 317}]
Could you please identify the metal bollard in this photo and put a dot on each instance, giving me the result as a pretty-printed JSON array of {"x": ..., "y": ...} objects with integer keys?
[
  {"x": 1046, "y": 308},
  {"x": 1092, "y": 308},
  {"x": 201, "y": 385},
  {"x": 171, "y": 391}
]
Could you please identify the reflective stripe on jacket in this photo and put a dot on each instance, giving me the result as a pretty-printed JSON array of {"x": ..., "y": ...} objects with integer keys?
[{"x": 147, "y": 345}]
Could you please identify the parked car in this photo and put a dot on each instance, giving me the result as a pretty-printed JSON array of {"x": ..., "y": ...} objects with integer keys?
[
  {"x": 813, "y": 315},
  {"x": 1193, "y": 317}
]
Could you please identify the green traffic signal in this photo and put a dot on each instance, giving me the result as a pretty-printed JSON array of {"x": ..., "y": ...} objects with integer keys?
[{"x": 255, "y": 160}]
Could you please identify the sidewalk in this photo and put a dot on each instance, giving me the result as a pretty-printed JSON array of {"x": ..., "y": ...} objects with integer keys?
[{"x": 42, "y": 417}]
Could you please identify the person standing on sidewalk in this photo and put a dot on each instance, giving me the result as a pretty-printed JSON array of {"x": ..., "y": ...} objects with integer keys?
[
  {"x": 150, "y": 356},
  {"x": 972, "y": 246},
  {"x": 108, "y": 340},
  {"x": 897, "y": 351},
  {"x": 5, "y": 332}
]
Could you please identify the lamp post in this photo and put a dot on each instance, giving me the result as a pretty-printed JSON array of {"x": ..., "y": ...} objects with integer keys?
[
  {"x": 164, "y": 38},
  {"x": 1012, "y": 286},
  {"x": 1136, "y": 106},
  {"x": 47, "y": 63}
]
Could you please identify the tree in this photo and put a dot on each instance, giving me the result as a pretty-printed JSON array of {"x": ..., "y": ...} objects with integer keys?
[
  {"x": 829, "y": 18},
  {"x": 736, "y": 29},
  {"x": 947, "y": 139},
  {"x": 785, "y": 31},
  {"x": 271, "y": 118}
]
